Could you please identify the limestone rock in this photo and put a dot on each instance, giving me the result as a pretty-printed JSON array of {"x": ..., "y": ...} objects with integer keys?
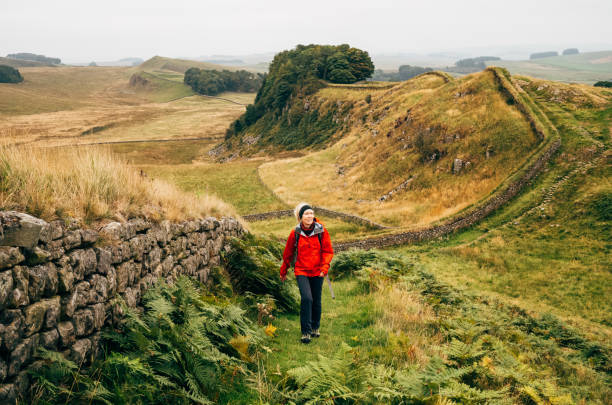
[
  {"x": 37, "y": 256},
  {"x": 19, "y": 295},
  {"x": 72, "y": 240},
  {"x": 89, "y": 236},
  {"x": 99, "y": 289},
  {"x": 66, "y": 333},
  {"x": 113, "y": 230},
  {"x": 65, "y": 279},
  {"x": 19, "y": 229},
  {"x": 34, "y": 317},
  {"x": 83, "y": 262},
  {"x": 50, "y": 339},
  {"x": 13, "y": 322},
  {"x": 43, "y": 281},
  {"x": 83, "y": 322},
  {"x": 10, "y": 256},
  {"x": 22, "y": 354},
  {"x": 99, "y": 316},
  {"x": 80, "y": 350},
  {"x": 6, "y": 287},
  {"x": 103, "y": 257}
]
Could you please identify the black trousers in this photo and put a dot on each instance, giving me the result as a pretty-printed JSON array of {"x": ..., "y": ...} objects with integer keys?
[{"x": 310, "y": 304}]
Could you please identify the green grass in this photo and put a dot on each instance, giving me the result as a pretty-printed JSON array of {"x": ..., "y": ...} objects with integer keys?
[
  {"x": 163, "y": 153},
  {"x": 236, "y": 183},
  {"x": 347, "y": 319},
  {"x": 163, "y": 87},
  {"x": 556, "y": 259}
]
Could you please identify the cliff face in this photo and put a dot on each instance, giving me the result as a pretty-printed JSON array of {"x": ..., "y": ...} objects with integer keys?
[{"x": 58, "y": 280}]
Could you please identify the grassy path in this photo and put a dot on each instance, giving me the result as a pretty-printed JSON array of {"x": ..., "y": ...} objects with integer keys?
[{"x": 346, "y": 319}]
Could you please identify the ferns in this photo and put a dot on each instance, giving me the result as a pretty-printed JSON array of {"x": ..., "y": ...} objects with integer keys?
[
  {"x": 181, "y": 350},
  {"x": 253, "y": 264}
]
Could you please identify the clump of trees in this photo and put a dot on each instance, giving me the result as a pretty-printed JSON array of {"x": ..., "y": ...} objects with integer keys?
[
  {"x": 213, "y": 82},
  {"x": 571, "y": 51},
  {"x": 604, "y": 83},
  {"x": 299, "y": 72},
  {"x": 404, "y": 72},
  {"x": 35, "y": 58},
  {"x": 9, "y": 74},
  {"x": 539, "y": 55}
]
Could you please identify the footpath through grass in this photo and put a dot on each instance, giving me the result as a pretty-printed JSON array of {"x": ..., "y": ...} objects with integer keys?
[{"x": 397, "y": 334}]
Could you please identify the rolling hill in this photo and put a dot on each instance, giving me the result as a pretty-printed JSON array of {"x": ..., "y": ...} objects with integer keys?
[
  {"x": 587, "y": 68},
  {"x": 418, "y": 152},
  {"x": 179, "y": 65}
]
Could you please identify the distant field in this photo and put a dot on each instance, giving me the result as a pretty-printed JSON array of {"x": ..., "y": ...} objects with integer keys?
[
  {"x": 235, "y": 183},
  {"x": 50, "y": 89},
  {"x": 179, "y": 65},
  {"x": 582, "y": 68},
  {"x": 75, "y": 105}
]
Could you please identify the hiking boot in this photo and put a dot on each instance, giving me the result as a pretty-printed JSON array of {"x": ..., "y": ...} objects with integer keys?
[
  {"x": 305, "y": 338},
  {"x": 315, "y": 333}
]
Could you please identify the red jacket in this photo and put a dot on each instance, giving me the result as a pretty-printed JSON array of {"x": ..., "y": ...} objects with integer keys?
[{"x": 313, "y": 257}]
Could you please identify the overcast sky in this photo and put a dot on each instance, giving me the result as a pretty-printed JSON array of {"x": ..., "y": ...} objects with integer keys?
[{"x": 84, "y": 30}]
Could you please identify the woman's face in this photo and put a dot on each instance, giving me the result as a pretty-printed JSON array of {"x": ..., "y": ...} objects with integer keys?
[{"x": 308, "y": 218}]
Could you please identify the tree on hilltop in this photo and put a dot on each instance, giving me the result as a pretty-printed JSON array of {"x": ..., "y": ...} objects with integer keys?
[{"x": 299, "y": 72}]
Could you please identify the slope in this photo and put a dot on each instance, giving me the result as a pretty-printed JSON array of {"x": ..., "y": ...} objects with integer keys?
[
  {"x": 178, "y": 65},
  {"x": 418, "y": 152}
]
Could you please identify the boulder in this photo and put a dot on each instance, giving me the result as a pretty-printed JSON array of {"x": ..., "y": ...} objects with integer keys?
[{"x": 19, "y": 229}]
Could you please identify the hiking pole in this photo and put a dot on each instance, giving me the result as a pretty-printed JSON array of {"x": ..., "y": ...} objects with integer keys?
[{"x": 330, "y": 287}]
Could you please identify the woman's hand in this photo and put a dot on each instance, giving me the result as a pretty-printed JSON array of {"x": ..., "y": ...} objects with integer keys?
[{"x": 283, "y": 278}]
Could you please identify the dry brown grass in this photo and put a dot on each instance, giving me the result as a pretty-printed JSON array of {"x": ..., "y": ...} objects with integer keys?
[
  {"x": 92, "y": 185},
  {"x": 408, "y": 320}
]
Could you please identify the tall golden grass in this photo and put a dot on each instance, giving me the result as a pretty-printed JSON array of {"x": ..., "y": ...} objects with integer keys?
[{"x": 92, "y": 184}]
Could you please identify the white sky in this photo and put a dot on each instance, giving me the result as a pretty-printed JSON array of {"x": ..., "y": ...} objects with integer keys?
[{"x": 83, "y": 30}]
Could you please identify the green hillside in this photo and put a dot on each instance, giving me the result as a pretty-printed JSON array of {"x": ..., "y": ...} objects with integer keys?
[{"x": 179, "y": 65}]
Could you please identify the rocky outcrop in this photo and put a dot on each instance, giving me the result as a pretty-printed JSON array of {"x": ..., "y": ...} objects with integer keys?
[{"x": 58, "y": 280}]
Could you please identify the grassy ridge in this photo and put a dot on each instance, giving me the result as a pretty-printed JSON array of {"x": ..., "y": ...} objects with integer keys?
[
  {"x": 415, "y": 129},
  {"x": 178, "y": 65}
]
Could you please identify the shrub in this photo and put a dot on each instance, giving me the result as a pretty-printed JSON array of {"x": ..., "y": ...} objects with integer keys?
[
  {"x": 9, "y": 74},
  {"x": 213, "y": 82},
  {"x": 603, "y": 84}
]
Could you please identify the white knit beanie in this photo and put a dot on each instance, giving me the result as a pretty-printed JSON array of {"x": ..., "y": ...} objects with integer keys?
[{"x": 297, "y": 209}]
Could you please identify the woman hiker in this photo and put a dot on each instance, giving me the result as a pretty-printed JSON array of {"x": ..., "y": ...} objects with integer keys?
[{"x": 310, "y": 251}]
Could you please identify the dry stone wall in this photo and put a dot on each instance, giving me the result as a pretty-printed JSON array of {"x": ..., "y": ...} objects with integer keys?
[
  {"x": 58, "y": 280},
  {"x": 264, "y": 216}
]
